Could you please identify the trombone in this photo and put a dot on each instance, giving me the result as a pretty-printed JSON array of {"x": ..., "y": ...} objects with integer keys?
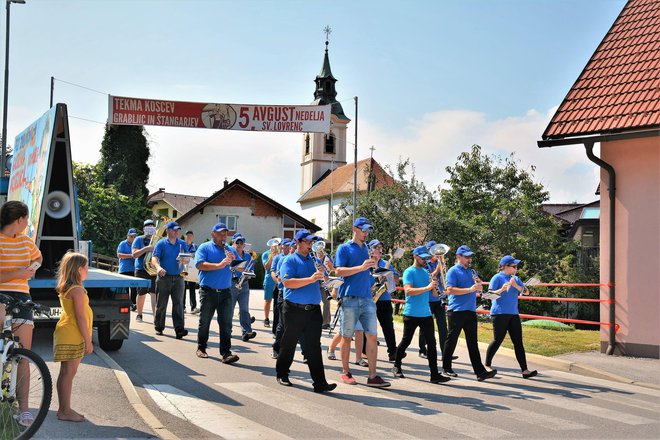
[{"x": 440, "y": 250}]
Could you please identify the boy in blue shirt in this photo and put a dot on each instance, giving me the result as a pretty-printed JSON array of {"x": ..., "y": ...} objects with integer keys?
[
  {"x": 301, "y": 313},
  {"x": 462, "y": 287},
  {"x": 127, "y": 262},
  {"x": 139, "y": 249},
  {"x": 418, "y": 283}
]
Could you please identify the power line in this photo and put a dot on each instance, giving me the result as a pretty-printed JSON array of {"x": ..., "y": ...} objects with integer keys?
[{"x": 82, "y": 87}]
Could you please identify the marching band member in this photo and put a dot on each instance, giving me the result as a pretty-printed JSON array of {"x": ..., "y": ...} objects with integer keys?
[
  {"x": 191, "y": 285},
  {"x": 127, "y": 262},
  {"x": 242, "y": 296},
  {"x": 504, "y": 313},
  {"x": 417, "y": 283},
  {"x": 213, "y": 260},
  {"x": 140, "y": 247},
  {"x": 269, "y": 284},
  {"x": 275, "y": 273},
  {"x": 462, "y": 287},
  {"x": 353, "y": 262},
  {"x": 326, "y": 262},
  {"x": 301, "y": 313},
  {"x": 384, "y": 312}
]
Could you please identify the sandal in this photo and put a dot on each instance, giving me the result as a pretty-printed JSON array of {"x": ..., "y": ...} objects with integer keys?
[
  {"x": 25, "y": 419},
  {"x": 201, "y": 353},
  {"x": 332, "y": 356}
]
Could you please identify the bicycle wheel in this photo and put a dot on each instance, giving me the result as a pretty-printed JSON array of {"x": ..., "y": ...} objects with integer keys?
[{"x": 26, "y": 386}]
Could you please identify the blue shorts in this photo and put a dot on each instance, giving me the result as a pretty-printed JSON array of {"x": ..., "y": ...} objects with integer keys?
[
  {"x": 269, "y": 288},
  {"x": 358, "y": 309}
]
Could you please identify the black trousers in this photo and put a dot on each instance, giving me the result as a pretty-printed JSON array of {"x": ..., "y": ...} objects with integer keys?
[
  {"x": 425, "y": 324},
  {"x": 466, "y": 321},
  {"x": 386, "y": 321},
  {"x": 304, "y": 324},
  {"x": 501, "y": 325},
  {"x": 438, "y": 312},
  {"x": 277, "y": 309},
  {"x": 190, "y": 288}
]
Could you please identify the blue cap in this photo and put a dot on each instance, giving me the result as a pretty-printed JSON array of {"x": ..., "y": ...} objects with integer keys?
[
  {"x": 374, "y": 243},
  {"x": 219, "y": 227},
  {"x": 464, "y": 250},
  {"x": 422, "y": 252},
  {"x": 173, "y": 225},
  {"x": 304, "y": 234},
  {"x": 148, "y": 222},
  {"x": 286, "y": 242},
  {"x": 237, "y": 236},
  {"x": 132, "y": 231},
  {"x": 362, "y": 222},
  {"x": 430, "y": 244},
  {"x": 508, "y": 259}
]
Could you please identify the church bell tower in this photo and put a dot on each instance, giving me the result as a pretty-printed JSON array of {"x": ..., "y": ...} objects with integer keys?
[{"x": 321, "y": 152}]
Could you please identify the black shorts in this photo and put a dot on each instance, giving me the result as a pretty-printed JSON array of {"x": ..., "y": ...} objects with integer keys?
[
  {"x": 24, "y": 316},
  {"x": 139, "y": 273}
]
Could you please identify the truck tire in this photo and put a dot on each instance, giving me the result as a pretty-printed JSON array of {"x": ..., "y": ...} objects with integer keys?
[{"x": 105, "y": 342}]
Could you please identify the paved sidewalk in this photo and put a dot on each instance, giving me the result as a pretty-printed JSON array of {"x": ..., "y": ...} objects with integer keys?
[{"x": 636, "y": 369}]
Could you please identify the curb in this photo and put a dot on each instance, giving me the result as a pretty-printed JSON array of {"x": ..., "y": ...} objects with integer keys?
[{"x": 133, "y": 398}]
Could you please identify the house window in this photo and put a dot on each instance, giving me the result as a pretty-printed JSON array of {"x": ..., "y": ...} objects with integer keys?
[
  {"x": 330, "y": 144},
  {"x": 290, "y": 226},
  {"x": 590, "y": 213},
  {"x": 306, "y": 144},
  {"x": 163, "y": 212},
  {"x": 175, "y": 214},
  {"x": 230, "y": 220}
]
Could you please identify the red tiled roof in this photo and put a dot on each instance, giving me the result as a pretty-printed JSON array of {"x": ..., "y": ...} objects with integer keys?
[
  {"x": 341, "y": 182},
  {"x": 618, "y": 90}
]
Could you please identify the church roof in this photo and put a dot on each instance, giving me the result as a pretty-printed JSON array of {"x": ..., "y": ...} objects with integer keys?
[
  {"x": 325, "y": 69},
  {"x": 325, "y": 92},
  {"x": 340, "y": 181},
  {"x": 617, "y": 90}
]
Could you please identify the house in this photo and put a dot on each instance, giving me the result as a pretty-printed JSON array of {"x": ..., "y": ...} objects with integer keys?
[
  {"x": 581, "y": 222},
  {"x": 246, "y": 210},
  {"x": 614, "y": 103},
  {"x": 171, "y": 205},
  {"x": 326, "y": 178}
]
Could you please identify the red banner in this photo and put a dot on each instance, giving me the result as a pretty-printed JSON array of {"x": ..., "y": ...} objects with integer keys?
[{"x": 282, "y": 118}]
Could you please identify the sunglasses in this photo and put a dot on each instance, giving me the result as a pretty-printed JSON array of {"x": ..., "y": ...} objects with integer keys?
[
  {"x": 367, "y": 229},
  {"x": 515, "y": 266},
  {"x": 307, "y": 241}
]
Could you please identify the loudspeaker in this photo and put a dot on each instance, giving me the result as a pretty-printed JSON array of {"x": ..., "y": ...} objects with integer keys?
[{"x": 57, "y": 204}]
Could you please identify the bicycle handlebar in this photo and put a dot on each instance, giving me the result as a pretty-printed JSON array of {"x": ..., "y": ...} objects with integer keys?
[{"x": 12, "y": 303}]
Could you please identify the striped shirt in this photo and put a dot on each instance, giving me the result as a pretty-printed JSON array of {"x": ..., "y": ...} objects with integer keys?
[{"x": 16, "y": 253}]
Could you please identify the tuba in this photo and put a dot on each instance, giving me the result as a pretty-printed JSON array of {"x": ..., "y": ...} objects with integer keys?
[
  {"x": 160, "y": 231},
  {"x": 273, "y": 245}
]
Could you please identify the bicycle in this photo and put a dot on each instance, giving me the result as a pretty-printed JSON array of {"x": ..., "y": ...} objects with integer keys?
[{"x": 26, "y": 387}]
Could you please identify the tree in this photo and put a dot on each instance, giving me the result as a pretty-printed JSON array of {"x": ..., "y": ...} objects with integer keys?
[{"x": 124, "y": 156}]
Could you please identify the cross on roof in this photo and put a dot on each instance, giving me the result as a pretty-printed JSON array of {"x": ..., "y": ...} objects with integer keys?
[{"x": 327, "y": 31}]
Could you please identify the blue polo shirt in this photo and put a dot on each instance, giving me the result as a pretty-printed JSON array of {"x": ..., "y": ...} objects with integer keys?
[
  {"x": 297, "y": 266},
  {"x": 458, "y": 276},
  {"x": 269, "y": 284},
  {"x": 166, "y": 252},
  {"x": 387, "y": 296},
  {"x": 209, "y": 252},
  {"x": 507, "y": 304},
  {"x": 351, "y": 254},
  {"x": 430, "y": 266},
  {"x": 417, "y": 305},
  {"x": 192, "y": 248},
  {"x": 277, "y": 264},
  {"x": 125, "y": 264},
  {"x": 140, "y": 242}
]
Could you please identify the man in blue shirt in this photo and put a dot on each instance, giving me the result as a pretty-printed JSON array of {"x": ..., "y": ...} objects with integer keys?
[
  {"x": 140, "y": 247},
  {"x": 384, "y": 311},
  {"x": 269, "y": 284},
  {"x": 301, "y": 313},
  {"x": 213, "y": 260},
  {"x": 462, "y": 286},
  {"x": 242, "y": 296},
  {"x": 418, "y": 284},
  {"x": 127, "y": 262},
  {"x": 352, "y": 261},
  {"x": 191, "y": 285},
  {"x": 169, "y": 282},
  {"x": 277, "y": 314}
]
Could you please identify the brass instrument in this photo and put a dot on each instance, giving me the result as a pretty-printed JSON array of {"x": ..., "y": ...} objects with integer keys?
[
  {"x": 440, "y": 250},
  {"x": 160, "y": 231},
  {"x": 332, "y": 282},
  {"x": 247, "y": 273},
  {"x": 381, "y": 286},
  {"x": 475, "y": 277},
  {"x": 183, "y": 259},
  {"x": 273, "y": 244}
]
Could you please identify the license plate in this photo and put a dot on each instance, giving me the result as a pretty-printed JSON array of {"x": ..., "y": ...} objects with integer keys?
[{"x": 55, "y": 313}]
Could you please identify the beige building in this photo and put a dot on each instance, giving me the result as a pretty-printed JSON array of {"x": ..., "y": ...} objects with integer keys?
[{"x": 172, "y": 205}]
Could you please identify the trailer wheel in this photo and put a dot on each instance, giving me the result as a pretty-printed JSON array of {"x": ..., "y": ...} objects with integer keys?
[{"x": 105, "y": 342}]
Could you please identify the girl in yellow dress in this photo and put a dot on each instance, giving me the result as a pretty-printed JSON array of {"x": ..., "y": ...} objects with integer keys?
[{"x": 73, "y": 333}]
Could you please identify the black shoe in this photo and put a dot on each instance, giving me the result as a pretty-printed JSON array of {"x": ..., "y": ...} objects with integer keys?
[
  {"x": 439, "y": 379},
  {"x": 423, "y": 355},
  {"x": 324, "y": 388},
  {"x": 530, "y": 374},
  {"x": 391, "y": 357},
  {"x": 396, "y": 371},
  {"x": 181, "y": 334},
  {"x": 229, "y": 358},
  {"x": 133, "y": 307},
  {"x": 449, "y": 373},
  {"x": 248, "y": 336},
  {"x": 486, "y": 375},
  {"x": 159, "y": 332},
  {"x": 252, "y": 319},
  {"x": 266, "y": 322},
  {"x": 285, "y": 382},
  {"x": 325, "y": 327},
  {"x": 274, "y": 354}
]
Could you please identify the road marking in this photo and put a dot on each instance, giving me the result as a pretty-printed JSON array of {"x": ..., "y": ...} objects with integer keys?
[
  {"x": 207, "y": 415},
  {"x": 350, "y": 426},
  {"x": 629, "y": 388}
]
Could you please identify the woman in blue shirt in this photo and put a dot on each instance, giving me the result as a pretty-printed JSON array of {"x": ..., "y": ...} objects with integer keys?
[{"x": 504, "y": 313}]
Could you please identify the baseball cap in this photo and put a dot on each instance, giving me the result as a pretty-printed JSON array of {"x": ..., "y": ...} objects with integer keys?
[
  {"x": 464, "y": 250},
  {"x": 286, "y": 242},
  {"x": 362, "y": 223},
  {"x": 237, "y": 236},
  {"x": 422, "y": 252},
  {"x": 148, "y": 223},
  {"x": 374, "y": 243},
  {"x": 304, "y": 234},
  {"x": 219, "y": 227},
  {"x": 508, "y": 259},
  {"x": 132, "y": 231},
  {"x": 430, "y": 244},
  {"x": 173, "y": 225}
]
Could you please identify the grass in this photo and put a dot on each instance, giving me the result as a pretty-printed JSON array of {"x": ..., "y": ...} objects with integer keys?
[{"x": 543, "y": 341}]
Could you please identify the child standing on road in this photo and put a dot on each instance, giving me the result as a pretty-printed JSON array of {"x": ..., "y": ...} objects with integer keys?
[{"x": 73, "y": 333}]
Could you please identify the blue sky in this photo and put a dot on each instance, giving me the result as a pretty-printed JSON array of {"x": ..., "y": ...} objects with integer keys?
[{"x": 432, "y": 77}]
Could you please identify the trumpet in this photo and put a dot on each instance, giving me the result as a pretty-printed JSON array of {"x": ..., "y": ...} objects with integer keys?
[
  {"x": 184, "y": 260},
  {"x": 440, "y": 250}
]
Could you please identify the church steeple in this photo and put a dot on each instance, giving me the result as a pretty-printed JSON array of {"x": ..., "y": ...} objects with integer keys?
[{"x": 325, "y": 92}]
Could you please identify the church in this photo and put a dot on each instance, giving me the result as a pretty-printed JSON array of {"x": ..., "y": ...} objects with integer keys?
[{"x": 326, "y": 177}]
